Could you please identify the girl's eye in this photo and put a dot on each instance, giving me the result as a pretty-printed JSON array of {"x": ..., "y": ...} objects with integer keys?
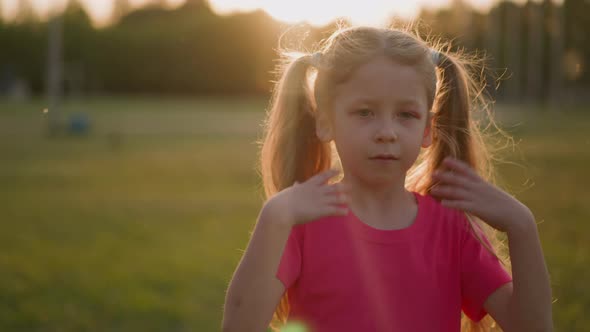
[
  {"x": 407, "y": 115},
  {"x": 365, "y": 113}
]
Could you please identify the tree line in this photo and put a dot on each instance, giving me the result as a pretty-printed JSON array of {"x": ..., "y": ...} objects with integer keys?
[{"x": 543, "y": 49}]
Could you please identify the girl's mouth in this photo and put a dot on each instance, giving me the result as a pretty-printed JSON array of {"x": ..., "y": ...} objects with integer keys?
[{"x": 384, "y": 157}]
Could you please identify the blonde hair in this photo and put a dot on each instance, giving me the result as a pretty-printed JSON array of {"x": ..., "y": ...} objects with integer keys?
[{"x": 291, "y": 151}]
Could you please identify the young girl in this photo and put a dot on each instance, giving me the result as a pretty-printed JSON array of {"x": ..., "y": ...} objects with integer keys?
[{"x": 400, "y": 243}]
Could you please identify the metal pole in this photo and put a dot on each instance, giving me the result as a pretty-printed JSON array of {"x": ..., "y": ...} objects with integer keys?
[{"x": 54, "y": 72}]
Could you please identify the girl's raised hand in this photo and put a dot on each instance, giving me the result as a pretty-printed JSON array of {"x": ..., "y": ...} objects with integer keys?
[
  {"x": 310, "y": 200},
  {"x": 460, "y": 187}
]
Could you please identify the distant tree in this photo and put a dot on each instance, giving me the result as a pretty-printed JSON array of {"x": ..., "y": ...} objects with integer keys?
[
  {"x": 191, "y": 50},
  {"x": 513, "y": 50},
  {"x": 24, "y": 12},
  {"x": 534, "y": 51},
  {"x": 554, "y": 26},
  {"x": 462, "y": 18},
  {"x": 196, "y": 3},
  {"x": 78, "y": 42},
  {"x": 120, "y": 9},
  {"x": 492, "y": 41},
  {"x": 576, "y": 19}
]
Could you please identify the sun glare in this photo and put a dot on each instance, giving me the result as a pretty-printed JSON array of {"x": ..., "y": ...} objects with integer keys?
[
  {"x": 368, "y": 12},
  {"x": 372, "y": 12}
]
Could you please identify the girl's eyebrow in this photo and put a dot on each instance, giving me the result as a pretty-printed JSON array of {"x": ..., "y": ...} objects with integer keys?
[
  {"x": 363, "y": 100},
  {"x": 413, "y": 102},
  {"x": 371, "y": 101}
]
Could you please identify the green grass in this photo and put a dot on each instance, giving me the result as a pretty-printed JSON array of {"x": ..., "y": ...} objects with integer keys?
[{"x": 139, "y": 225}]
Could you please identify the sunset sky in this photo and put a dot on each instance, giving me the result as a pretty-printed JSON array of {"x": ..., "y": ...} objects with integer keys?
[{"x": 313, "y": 11}]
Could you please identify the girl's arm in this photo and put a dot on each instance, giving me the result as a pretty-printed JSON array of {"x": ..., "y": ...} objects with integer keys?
[
  {"x": 526, "y": 306},
  {"x": 531, "y": 298},
  {"x": 254, "y": 291}
]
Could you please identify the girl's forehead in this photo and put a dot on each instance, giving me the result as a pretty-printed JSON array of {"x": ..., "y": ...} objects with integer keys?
[{"x": 383, "y": 80}]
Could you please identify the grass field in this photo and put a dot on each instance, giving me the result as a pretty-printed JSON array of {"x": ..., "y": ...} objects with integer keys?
[{"x": 139, "y": 225}]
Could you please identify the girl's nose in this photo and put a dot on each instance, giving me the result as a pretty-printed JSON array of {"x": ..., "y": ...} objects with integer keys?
[{"x": 386, "y": 133}]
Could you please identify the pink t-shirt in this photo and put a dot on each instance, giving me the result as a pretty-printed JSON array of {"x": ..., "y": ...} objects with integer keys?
[{"x": 344, "y": 275}]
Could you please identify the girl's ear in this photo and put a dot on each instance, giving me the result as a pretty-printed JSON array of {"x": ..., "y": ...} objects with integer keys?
[
  {"x": 427, "y": 138},
  {"x": 323, "y": 129}
]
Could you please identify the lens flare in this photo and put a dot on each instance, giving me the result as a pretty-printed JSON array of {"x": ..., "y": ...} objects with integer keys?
[{"x": 295, "y": 327}]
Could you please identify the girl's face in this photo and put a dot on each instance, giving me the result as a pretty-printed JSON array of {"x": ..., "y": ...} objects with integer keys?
[{"x": 379, "y": 121}]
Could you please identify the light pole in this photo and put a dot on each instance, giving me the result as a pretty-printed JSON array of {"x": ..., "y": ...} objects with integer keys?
[{"x": 54, "y": 72}]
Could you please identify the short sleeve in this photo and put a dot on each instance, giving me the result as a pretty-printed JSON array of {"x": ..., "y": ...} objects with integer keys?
[
  {"x": 481, "y": 272},
  {"x": 290, "y": 264}
]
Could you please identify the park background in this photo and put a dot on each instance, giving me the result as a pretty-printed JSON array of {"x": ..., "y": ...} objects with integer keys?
[{"x": 128, "y": 148}]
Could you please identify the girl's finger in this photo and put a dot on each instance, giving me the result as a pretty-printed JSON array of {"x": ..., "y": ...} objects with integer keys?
[
  {"x": 450, "y": 192},
  {"x": 337, "y": 199},
  {"x": 335, "y": 188},
  {"x": 330, "y": 189},
  {"x": 452, "y": 178},
  {"x": 323, "y": 177},
  {"x": 460, "y": 167}
]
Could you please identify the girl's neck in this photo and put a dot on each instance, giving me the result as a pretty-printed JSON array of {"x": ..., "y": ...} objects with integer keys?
[{"x": 385, "y": 201}]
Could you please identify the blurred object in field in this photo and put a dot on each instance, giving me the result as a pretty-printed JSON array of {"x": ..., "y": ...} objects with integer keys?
[
  {"x": 79, "y": 123},
  {"x": 13, "y": 87}
]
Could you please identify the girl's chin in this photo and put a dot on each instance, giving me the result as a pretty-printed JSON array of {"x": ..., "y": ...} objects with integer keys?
[{"x": 378, "y": 179}]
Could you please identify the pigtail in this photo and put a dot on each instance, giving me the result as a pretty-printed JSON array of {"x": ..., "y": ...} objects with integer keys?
[
  {"x": 457, "y": 134},
  {"x": 454, "y": 131},
  {"x": 291, "y": 150}
]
